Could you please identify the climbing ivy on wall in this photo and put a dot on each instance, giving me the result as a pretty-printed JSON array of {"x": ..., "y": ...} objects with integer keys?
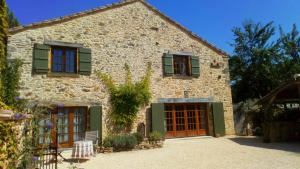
[
  {"x": 8, "y": 145},
  {"x": 10, "y": 82},
  {"x": 127, "y": 98}
]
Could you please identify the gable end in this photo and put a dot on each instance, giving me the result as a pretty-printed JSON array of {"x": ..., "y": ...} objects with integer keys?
[{"x": 112, "y": 6}]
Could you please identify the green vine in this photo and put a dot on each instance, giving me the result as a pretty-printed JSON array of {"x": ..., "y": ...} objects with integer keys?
[
  {"x": 8, "y": 145},
  {"x": 127, "y": 98},
  {"x": 32, "y": 150}
]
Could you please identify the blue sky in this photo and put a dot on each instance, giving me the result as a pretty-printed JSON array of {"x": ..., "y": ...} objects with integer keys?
[{"x": 210, "y": 19}]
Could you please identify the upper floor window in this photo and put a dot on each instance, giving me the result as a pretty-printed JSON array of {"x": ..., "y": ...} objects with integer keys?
[
  {"x": 182, "y": 65},
  {"x": 64, "y": 60},
  {"x": 61, "y": 59}
]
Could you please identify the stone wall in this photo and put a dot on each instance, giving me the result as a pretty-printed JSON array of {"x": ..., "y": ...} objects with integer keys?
[{"x": 130, "y": 34}]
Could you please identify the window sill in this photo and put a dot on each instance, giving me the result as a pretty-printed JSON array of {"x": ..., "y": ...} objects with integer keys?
[
  {"x": 185, "y": 77},
  {"x": 74, "y": 75}
]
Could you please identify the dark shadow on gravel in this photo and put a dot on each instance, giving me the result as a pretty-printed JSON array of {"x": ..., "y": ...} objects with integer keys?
[{"x": 257, "y": 142}]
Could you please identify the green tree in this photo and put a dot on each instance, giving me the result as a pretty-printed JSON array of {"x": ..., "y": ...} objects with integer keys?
[
  {"x": 3, "y": 38},
  {"x": 12, "y": 20},
  {"x": 290, "y": 43},
  {"x": 290, "y": 51},
  {"x": 3, "y": 32},
  {"x": 253, "y": 65}
]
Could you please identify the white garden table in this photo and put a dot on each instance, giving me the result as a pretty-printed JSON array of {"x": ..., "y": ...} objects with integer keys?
[{"x": 83, "y": 149}]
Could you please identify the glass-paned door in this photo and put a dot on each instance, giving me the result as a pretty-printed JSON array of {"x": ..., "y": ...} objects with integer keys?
[
  {"x": 202, "y": 108},
  {"x": 63, "y": 125},
  {"x": 79, "y": 122},
  {"x": 70, "y": 125},
  {"x": 180, "y": 121},
  {"x": 169, "y": 117},
  {"x": 191, "y": 116},
  {"x": 186, "y": 119},
  {"x": 44, "y": 131}
]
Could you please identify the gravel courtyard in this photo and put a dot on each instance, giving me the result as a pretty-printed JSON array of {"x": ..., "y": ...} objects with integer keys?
[{"x": 202, "y": 152}]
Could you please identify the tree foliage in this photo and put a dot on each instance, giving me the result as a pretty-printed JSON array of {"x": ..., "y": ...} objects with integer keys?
[
  {"x": 259, "y": 63},
  {"x": 9, "y": 70},
  {"x": 3, "y": 32},
  {"x": 127, "y": 98},
  {"x": 8, "y": 144},
  {"x": 12, "y": 20},
  {"x": 11, "y": 83}
]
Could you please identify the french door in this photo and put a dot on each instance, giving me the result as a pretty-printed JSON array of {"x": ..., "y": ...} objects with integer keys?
[
  {"x": 70, "y": 123},
  {"x": 185, "y": 120}
]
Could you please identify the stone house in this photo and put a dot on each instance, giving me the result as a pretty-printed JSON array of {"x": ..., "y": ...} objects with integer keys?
[{"x": 190, "y": 88}]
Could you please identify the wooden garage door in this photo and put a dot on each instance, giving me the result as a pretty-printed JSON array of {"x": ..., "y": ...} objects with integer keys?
[{"x": 185, "y": 120}]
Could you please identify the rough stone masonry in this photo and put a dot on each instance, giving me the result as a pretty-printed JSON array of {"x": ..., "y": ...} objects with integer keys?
[{"x": 132, "y": 34}]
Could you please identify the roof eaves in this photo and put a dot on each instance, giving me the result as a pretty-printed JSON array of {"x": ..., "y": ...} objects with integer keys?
[
  {"x": 114, "y": 5},
  {"x": 205, "y": 42},
  {"x": 68, "y": 17}
]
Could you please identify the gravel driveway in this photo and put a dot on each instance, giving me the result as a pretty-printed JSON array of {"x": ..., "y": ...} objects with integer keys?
[{"x": 203, "y": 152}]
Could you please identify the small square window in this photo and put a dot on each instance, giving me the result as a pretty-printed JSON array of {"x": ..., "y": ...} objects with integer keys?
[
  {"x": 182, "y": 65},
  {"x": 64, "y": 60}
]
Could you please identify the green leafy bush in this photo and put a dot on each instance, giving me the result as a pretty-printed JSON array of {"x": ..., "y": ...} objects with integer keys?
[
  {"x": 8, "y": 144},
  {"x": 126, "y": 99},
  {"x": 10, "y": 82},
  {"x": 107, "y": 142},
  {"x": 155, "y": 136},
  {"x": 138, "y": 137},
  {"x": 120, "y": 142}
]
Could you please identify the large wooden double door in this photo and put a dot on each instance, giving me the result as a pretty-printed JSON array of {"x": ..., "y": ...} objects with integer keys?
[{"x": 186, "y": 120}]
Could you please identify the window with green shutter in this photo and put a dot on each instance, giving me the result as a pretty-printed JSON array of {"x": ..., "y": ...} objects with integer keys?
[
  {"x": 181, "y": 65},
  {"x": 63, "y": 60}
]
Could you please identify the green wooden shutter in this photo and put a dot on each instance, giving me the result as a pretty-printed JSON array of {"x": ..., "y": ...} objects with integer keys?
[
  {"x": 158, "y": 117},
  {"x": 195, "y": 66},
  {"x": 40, "y": 58},
  {"x": 168, "y": 64},
  {"x": 96, "y": 120},
  {"x": 85, "y": 61},
  {"x": 218, "y": 116}
]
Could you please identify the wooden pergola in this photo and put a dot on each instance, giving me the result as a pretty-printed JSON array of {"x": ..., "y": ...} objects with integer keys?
[
  {"x": 286, "y": 93},
  {"x": 285, "y": 97}
]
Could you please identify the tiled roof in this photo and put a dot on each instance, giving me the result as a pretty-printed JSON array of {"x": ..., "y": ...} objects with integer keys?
[{"x": 111, "y": 6}]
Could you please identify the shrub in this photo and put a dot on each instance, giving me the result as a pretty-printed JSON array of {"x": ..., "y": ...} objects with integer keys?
[
  {"x": 126, "y": 99},
  {"x": 138, "y": 137},
  {"x": 107, "y": 142},
  {"x": 120, "y": 142},
  {"x": 155, "y": 136},
  {"x": 257, "y": 131}
]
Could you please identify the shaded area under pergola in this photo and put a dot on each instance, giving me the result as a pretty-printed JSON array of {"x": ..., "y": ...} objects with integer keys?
[{"x": 281, "y": 108}]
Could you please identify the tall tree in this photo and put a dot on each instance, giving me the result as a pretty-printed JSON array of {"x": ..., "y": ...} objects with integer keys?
[
  {"x": 253, "y": 64},
  {"x": 290, "y": 43},
  {"x": 12, "y": 20},
  {"x": 290, "y": 51},
  {"x": 3, "y": 32}
]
